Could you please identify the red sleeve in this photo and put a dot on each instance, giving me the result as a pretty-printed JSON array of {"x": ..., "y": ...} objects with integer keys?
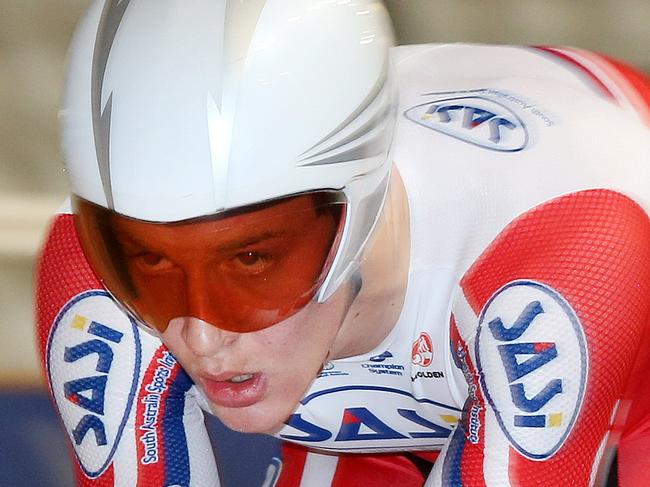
[
  {"x": 633, "y": 458},
  {"x": 548, "y": 327},
  {"x": 62, "y": 273},
  {"x": 124, "y": 401},
  {"x": 629, "y": 87}
]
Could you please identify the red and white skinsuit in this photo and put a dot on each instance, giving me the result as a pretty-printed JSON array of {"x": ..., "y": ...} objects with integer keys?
[{"x": 521, "y": 353}]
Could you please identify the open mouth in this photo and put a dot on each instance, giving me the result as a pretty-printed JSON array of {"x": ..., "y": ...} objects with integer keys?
[
  {"x": 238, "y": 379},
  {"x": 235, "y": 390}
]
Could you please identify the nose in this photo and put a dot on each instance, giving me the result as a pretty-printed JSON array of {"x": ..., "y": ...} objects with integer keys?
[
  {"x": 199, "y": 299},
  {"x": 204, "y": 339},
  {"x": 206, "y": 296}
]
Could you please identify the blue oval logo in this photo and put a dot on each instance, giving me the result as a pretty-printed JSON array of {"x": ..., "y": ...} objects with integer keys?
[
  {"x": 88, "y": 360},
  {"x": 473, "y": 119},
  {"x": 532, "y": 357}
]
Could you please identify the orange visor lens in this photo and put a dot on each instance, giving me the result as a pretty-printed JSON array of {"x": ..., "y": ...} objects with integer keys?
[{"x": 240, "y": 271}]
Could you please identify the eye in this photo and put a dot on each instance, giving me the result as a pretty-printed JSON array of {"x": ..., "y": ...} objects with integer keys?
[
  {"x": 152, "y": 262},
  {"x": 252, "y": 261}
]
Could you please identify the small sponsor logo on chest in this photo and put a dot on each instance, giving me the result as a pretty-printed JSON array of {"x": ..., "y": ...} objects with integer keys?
[
  {"x": 422, "y": 356},
  {"x": 422, "y": 351}
]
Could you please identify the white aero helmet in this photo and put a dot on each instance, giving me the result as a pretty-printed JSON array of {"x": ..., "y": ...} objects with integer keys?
[{"x": 177, "y": 109}]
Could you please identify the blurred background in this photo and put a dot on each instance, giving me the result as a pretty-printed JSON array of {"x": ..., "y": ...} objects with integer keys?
[{"x": 33, "y": 39}]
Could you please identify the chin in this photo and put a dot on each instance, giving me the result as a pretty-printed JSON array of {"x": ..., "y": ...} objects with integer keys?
[{"x": 257, "y": 418}]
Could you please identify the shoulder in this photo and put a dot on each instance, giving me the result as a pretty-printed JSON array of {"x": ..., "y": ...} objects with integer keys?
[
  {"x": 573, "y": 68},
  {"x": 551, "y": 85},
  {"x": 506, "y": 128},
  {"x": 559, "y": 288},
  {"x": 591, "y": 245}
]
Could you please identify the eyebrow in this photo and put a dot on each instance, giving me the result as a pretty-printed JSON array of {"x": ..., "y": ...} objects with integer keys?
[
  {"x": 125, "y": 238},
  {"x": 252, "y": 240}
]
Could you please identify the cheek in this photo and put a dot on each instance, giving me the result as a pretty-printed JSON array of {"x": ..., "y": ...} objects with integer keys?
[
  {"x": 293, "y": 354},
  {"x": 298, "y": 347}
]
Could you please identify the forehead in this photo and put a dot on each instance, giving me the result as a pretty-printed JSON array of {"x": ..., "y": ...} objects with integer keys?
[{"x": 271, "y": 218}]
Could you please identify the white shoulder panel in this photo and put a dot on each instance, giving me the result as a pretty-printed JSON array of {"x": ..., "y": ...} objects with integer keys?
[{"x": 488, "y": 132}]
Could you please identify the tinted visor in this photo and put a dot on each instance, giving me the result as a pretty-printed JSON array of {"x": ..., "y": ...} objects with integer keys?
[{"x": 242, "y": 270}]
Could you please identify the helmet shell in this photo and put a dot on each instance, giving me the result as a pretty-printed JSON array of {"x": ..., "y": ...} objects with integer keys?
[{"x": 174, "y": 109}]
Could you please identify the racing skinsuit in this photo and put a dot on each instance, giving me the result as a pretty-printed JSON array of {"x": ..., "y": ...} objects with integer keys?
[{"x": 520, "y": 353}]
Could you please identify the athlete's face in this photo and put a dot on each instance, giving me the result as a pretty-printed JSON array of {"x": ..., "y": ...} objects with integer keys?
[
  {"x": 232, "y": 300},
  {"x": 255, "y": 380}
]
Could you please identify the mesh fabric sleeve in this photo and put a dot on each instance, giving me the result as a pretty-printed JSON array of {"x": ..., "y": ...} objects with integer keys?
[
  {"x": 127, "y": 406},
  {"x": 547, "y": 327}
]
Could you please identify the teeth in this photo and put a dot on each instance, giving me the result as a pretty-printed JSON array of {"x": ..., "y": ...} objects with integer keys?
[{"x": 241, "y": 378}]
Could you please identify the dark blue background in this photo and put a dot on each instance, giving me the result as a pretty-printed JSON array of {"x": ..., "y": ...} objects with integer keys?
[{"x": 34, "y": 452}]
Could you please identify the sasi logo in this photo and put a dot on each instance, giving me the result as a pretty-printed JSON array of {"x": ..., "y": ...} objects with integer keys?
[
  {"x": 422, "y": 352},
  {"x": 365, "y": 417},
  {"x": 533, "y": 364},
  {"x": 90, "y": 360},
  {"x": 474, "y": 119}
]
